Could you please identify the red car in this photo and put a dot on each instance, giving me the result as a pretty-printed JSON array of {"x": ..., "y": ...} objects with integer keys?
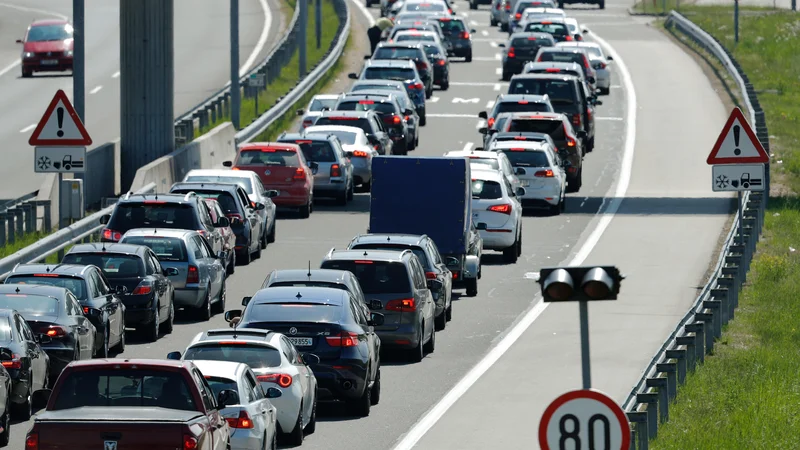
[
  {"x": 47, "y": 47},
  {"x": 282, "y": 167}
]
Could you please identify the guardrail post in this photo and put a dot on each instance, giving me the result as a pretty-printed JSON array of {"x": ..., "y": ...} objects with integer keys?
[
  {"x": 689, "y": 341},
  {"x": 11, "y": 233},
  {"x": 48, "y": 219},
  {"x": 213, "y": 108},
  {"x": 26, "y": 213},
  {"x": 679, "y": 356},
  {"x": 729, "y": 283},
  {"x": 19, "y": 225},
  {"x": 651, "y": 401},
  {"x": 639, "y": 420},
  {"x": 661, "y": 384},
  {"x": 220, "y": 105},
  {"x": 2, "y": 229},
  {"x": 707, "y": 317},
  {"x": 699, "y": 330},
  {"x": 188, "y": 129},
  {"x": 722, "y": 296},
  {"x": 715, "y": 306},
  {"x": 227, "y": 104},
  {"x": 738, "y": 250},
  {"x": 670, "y": 369}
]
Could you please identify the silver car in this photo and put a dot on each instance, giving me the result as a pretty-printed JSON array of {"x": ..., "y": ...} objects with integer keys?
[
  {"x": 250, "y": 414},
  {"x": 333, "y": 175},
  {"x": 316, "y": 106},
  {"x": 200, "y": 282},
  {"x": 356, "y": 146},
  {"x": 496, "y": 12},
  {"x": 599, "y": 62}
]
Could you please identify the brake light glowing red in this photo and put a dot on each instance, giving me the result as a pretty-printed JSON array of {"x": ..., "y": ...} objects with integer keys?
[
  {"x": 517, "y": 149},
  {"x": 568, "y": 38},
  {"x": 586, "y": 62},
  {"x": 335, "y": 171},
  {"x": 418, "y": 86},
  {"x": 440, "y": 62},
  {"x": 303, "y": 142},
  {"x": 51, "y": 275},
  {"x": 243, "y": 421},
  {"x": 281, "y": 379},
  {"x": 576, "y": 119},
  {"x": 552, "y": 70},
  {"x": 430, "y": 275},
  {"x": 523, "y": 102},
  {"x": 504, "y": 208},
  {"x": 401, "y": 305},
  {"x": 272, "y": 150},
  {"x": 307, "y": 123},
  {"x": 56, "y": 331},
  {"x": 544, "y": 174},
  {"x": 189, "y": 442},
  {"x": 518, "y": 16},
  {"x": 490, "y": 122},
  {"x": 464, "y": 35},
  {"x": 362, "y": 262},
  {"x": 111, "y": 235},
  {"x": 589, "y": 113},
  {"x": 508, "y": 6},
  {"x": 511, "y": 53},
  {"x": 366, "y": 102},
  {"x": 299, "y": 174},
  {"x": 32, "y": 441},
  {"x": 601, "y": 65},
  {"x": 15, "y": 363},
  {"x": 154, "y": 202},
  {"x": 142, "y": 290},
  {"x": 571, "y": 142},
  {"x": 360, "y": 154},
  {"x": 344, "y": 339},
  {"x": 193, "y": 276}
]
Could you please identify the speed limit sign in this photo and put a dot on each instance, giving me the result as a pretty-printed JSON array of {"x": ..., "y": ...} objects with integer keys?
[{"x": 584, "y": 420}]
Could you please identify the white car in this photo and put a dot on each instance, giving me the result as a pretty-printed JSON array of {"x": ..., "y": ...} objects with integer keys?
[
  {"x": 494, "y": 160},
  {"x": 250, "y": 414},
  {"x": 598, "y": 60},
  {"x": 356, "y": 146},
  {"x": 496, "y": 213},
  {"x": 531, "y": 14},
  {"x": 276, "y": 363},
  {"x": 255, "y": 191},
  {"x": 414, "y": 35},
  {"x": 426, "y": 7},
  {"x": 575, "y": 29},
  {"x": 315, "y": 107},
  {"x": 544, "y": 178}
]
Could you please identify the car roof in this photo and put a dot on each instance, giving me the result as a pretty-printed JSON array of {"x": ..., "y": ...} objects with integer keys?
[
  {"x": 357, "y": 114},
  {"x": 205, "y": 185},
  {"x": 541, "y": 10},
  {"x": 416, "y": 32},
  {"x": 271, "y": 145},
  {"x": 367, "y": 255},
  {"x": 579, "y": 44},
  {"x": 160, "y": 232},
  {"x": 516, "y": 98},
  {"x": 548, "y": 19},
  {"x": 6, "y": 312},
  {"x": 379, "y": 81},
  {"x": 304, "y": 137},
  {"x": 477, "y": 153},
  {"x": 324, "y": 97},
  {"x": 301, "y": 293},
  {"x": 331, "y": 128},
  {"x": 54, "y": 269},
  {"x": 397, "y": 63},
  {"x": 394, "y": 238},
  {"x": 221, "y": 369},
  {"x": 555, "y": 64},
  {"x": 527, "y": 145},
  {"x": 402, "y": 44},
  {"x": 34, "y": 289},
  {"x": 158, "y": 198},
  {"x": 562, "y": 49},
  {"x": 537, "y": 115},
  {"x": 108, "y": 247},
  {"x": 544, "y": 76},
  {"x": 527, "y": 34},
  {"x": 374, "y": 92},
  {"x": 571, "y": 20},
  {"x": 223, "y": 173},
  {"x": 250, "y": 335},
  {"x": 329, "y": 275},
  {"x": 357, "y": 97},
  {"x": 488, "y": 175}
]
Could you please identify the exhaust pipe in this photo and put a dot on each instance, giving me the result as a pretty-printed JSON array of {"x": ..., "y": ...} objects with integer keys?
[{"x": 347, "y": 384}]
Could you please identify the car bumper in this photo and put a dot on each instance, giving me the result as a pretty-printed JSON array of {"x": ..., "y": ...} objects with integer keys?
[
  {"x": 191, "y": 297},
  {"x": 290, "y": 197},
  {"x": 37, "y": 65},
  {"x": 247, "y": 439},
  {"x": 362, "y": 172},
  {"x": 440, "y": 74},
  {"x": 550, "y": 195},
  {"x": 498, "y": 239},
  {"x": 603, "y": 79},
  {"x": 330, "y": 189},
  {"x": 405, "y": 336},
  {"x": 59, "y": 358},
  {"x": 340, "y": 384},
  {"x": 462, "y": 47},
  {"x": 19, "y": 387}
]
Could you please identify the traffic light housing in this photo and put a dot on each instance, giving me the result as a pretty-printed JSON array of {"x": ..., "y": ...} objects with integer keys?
[{"x": 565, "y": 284}]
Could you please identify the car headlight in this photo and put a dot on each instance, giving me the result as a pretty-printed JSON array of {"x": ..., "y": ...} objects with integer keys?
[
  {"x": 27, "y": 54},
  {"x": 68, "y": 53}
]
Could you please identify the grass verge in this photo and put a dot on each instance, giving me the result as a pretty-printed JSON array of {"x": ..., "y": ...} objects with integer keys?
[
  {"x": 287, "y": 79},
  {"x": 660, "y": 7},
  {"x": 746, "y": 394}
]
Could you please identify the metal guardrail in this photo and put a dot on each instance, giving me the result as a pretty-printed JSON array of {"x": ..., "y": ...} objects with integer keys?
[
  {"x": 647, "y": 406},
  {"x": 18, "y": 217},
  {"x": 58, "y": 241}
]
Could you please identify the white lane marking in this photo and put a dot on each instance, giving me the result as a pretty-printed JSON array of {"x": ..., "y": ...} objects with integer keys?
[
  {"x": 490, "y": 104},
  {"x": 481, "y": 123},
  {"x": 95, "y": 90},
  {"x": 452, "y": 116},
  {"x": 468, "y": 146},
  {"x": 16, "y": 63},
  {"x": 498, "y": 71},
  {"x": 116, "y": 74},
  {"x": 484, "y": 32},
  {"x": 433, "y": 415},
  {"x": 10, "y": 67},
  {"x": 433, "y": 99},
  {"x": 494, "y": 44},
  {"x": 615, "y": 86},
  {"x": 473, "y": 23},
  {"x": 484, "y": 59},
  {"x": 364, "y": 11},
  {"x": 28, "y": 128},
  {"x": 484, "y": 40},
  {"x": 475, "y": 84},
  {"x": 466, "y": 100},
  {"x": 609, "y": 118},
  {"x": 498, "y": 86},
  {"x": 498, "y": 56},
  {"x": 262, "y": 39}
]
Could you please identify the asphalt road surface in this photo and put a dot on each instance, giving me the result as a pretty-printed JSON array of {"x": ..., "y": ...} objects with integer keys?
[
  {"x": 646, "y": 205},
  {"x": 202, "y": 58}
]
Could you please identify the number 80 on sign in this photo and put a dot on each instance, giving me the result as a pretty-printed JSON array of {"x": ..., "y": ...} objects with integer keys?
[{"x": 584, "y": 420}]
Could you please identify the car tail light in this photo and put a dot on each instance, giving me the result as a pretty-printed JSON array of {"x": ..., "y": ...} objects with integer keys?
[
  {"x": 422, "y": 65},
  {"x": 336, "y": 171},
  {"x": 600, "y": 65},
  {"x": 193, "y": 276},
  {"x": 588, "y": 113},
  {"x": 366, "y": 102},
  {"x": 344, "y": 339},
  {"x": 504, "y": 208},
  {"x": 464, "y": 35},
  {"x": 517, "y": 149},
  {"x": 299, "y": 174},
  {"x": 401, "y": 305},
  {"x": 440, "y": 62},
  {"x": 508, "y": 6},
  {"x": 571, "y": 142},
  {"x": 544, "y": 174},
  {"x": 243, "y": 421},
  {"x": 377, "y": 147},
  {"x": 56, "y": 331},
  {"x": 143, "y": 289},
  {"x": 449, "y": 11},
  {"x": 430, "y": 275},
  {"x": 111, "y": 235},
  {"x": 281, "y": 379},
  {"x": 189, "y": 442},
  {"x": 586, "y": 62},
  {"x": 523, "y": 102},
  {"x": 307, "y": 123},
  {"x": 418, "y": 86},
  {"x": 32, "y": 441},
  {"x": 455, "y": 274},
  {"x": 578, "y": 37},
  {"x": 511, "y": 53},
  {"x": 568, "y": 38},
  {"x": 490, "y": 122},
  {"x": 406, "y": 118},
  {"x": 576, "y": 119},
  {"x": 552, "y": 70},
  {"x": 518, "y": 16},
  {"x": 15, "y": 363},
  {"x": 360, "y": 154},
  {"x": 499, "y": 5},
  {"x": 392, "y": 120}
]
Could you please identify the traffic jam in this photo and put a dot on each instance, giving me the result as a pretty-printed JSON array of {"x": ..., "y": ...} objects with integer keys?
[{"x": 314, "y": 334}]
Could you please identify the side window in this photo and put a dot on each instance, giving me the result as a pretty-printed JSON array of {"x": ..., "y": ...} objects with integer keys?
[
  {"x": 357, "y": 292},
  {"x": 18, "y": 324},
  {"x": 73, "y": 307},
  {"x": 157, "y": 265},
  {"x": 376, "y": 124},
  {"x": 200, "y": 251},
  {"x": 212, "y": 213},
  {"x": 415, "y": 269},
  {"x": 250, "y": 381},
  {"x": 358, "y": 312},
  {"x": 243, "y": 197},
  {"x": 92, "y": 285},
  {"x": 205, "y": 391},
  {"x": 437, "y": 257},
  {"x": 289, "y": 351},
  {"x": 102, "y": 286},
  {"x": 247, "y": 395},
  {"x": 205, "y": 217},
  {"x": 148, "y": 266}
]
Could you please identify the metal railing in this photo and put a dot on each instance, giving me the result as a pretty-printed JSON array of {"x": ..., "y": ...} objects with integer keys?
[
  {"x": 647, "y": 406},
  {"x": 19, "y": 217}
]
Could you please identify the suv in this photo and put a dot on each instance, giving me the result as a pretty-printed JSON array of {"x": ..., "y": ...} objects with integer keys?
[
  {"x": 519, "y": 136},
  {"x": 411, "y": 51},
  {"x": 397, "y": 280},
  {"x": 333, "y": 175},
  {"x": 337, "y": 279},
  {"x": 456, "y": 32},
  {"x": 575, "y": 55},
  {"x": 398, "y": 70},
  {"x": 406, "y": 106},
  {"x": 511, "y": 103},
  {"x": 390, "y": 112},
  {"x": 567, "y": 95},
  {"x": 369, "y": 121},
  {"x": 541, "y": 171},
  {"x": 244, "y": 219},
  {"x": 430, "y": 258},
  {"x": 522, "y": 48},
  {"x": 437, "y": 55},
  {"x": 172, "y": 211}
]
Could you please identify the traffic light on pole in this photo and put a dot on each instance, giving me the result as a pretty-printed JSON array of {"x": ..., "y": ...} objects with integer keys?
[{"x": 565, "y": 284}]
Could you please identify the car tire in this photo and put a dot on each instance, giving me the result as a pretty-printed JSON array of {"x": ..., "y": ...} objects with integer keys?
[
  {"x": 602, "y": 4},
  {"x": 503, "y": 27},
  {"x": 169, "y": 324},
  {"x": 366, "y": 187},
  {"x": 417, "y": 353},
  {"x": 204, "y": 311},
  {"x": 440, "y": 322},
  {"x": 492, "y": 22},
  {"x": 472, "y": 287},
  {"x": 341, "y": 199},
  {"x": 312, "y": 422},
  {"x": 257, "y": 253},
  {"x": 449, "y": 312},
  {"x": 272, "y": 231},
  {"x": 445, "y": 85},
  {"x": 351, "y": 192},
  {"x": 151, "y": 332},
  {"x": 232, "y": 264},
  {"x": 362, "y": 406},
  {"x": 120, "y": 347},
  {"x": 219, "y": 306},
  {"x": 410, "y": 145},
  {"x": 305, "y": 210},
  {"x": 23, "y": 411},
  {"x": 468, "y": 57},
  {"x": 430, "y": 346},
  {"x": 295, "y": 437},
  {"x": 590, "y": 145},
  {"x": 510, "y": 255},
  {"x": 263, "y": 240},
  {"x": 519, "y": 241},
  {"x": 429, "y": 93},
  {"x": 473, "y": 5},
  {"x": 105, "y": 350},
  {"x": 375, "y": 396},
  {"x": 27, "y": 73},
  {"x": 506, "y": 75},
  {"x": 5, "y": 422},
  {"x": 422, "y": 121}
]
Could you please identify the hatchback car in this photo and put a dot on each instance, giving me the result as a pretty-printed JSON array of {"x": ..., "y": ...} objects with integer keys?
[
  {"x": 99, "y": 302},
  {"x": 437, "y": 55},
  {"x": 457, "y": 33},
  {"x": 562, "y": 68},
  {"x": 426, "y": 7},
  {"x": 516, "y": 136},
  {"x": 411, "y": 51},
  {"x": 27, "y": 364},
  {"x": 388, "y": 109},
  {"x": 496, "y": 213},
  {"x": 276, "y": 363},
  {"x": 281, "y": 167},
  {"x": 356, "y": 147},
  {"x": 402, "y": 71},
  {"x": 425, "y": 23},
  {"x": 316, "y": 106},
  {"x": 511, "y": 103},
  {"x": 200, "y": 281},
  {"x": 543, "y": 176},
  {"x": 489, "y": 160},
  {"x": 398, "y": 281},
  {"x": 136, "y": 273},
  {"x": 398, "y": 90},
  {"x": 599, "y": 62},
  {"x": 517, "y": 14},
  {"x": 522, "y": 48},
  {"x": 329, "y": 324},
  {"x": 333, "y": 176},
  {"x": 47, "y": 47},
  {"x": 578, "y": 55},
  {"x": 369, "y": 121}
]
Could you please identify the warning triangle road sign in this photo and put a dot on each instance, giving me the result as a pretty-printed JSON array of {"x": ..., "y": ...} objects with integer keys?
[
  {"x": 60, "y": 125},
  {"x": 737, "y": 143}
]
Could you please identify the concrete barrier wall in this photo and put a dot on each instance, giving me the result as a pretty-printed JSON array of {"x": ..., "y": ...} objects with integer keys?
[
  {"x": 205, "y": 152},
  {"x": 48, "y": 191},
  {"x": 100, "y": 180}
]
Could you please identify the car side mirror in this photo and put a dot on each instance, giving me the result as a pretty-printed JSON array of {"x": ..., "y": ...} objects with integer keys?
[
  {"x": 171, "y": 272},
  {"x": 300, "y": 112},
  {"x": 223, "y": 222},
  {"x": 483, "y": 115},
  {"x": 175, "y": 356},
  {"x": 227, "y": 397},
  {"x": 480, "y": 226},
  {"x": 483, "y": 130},
  {"x": 375, "y": 320},
  {"x": 375, "y": 304},
  {"x": 236, "y": 221},
  {"x": 582, "y": 134},
  {"x": 408, "y": 112},
  {"x": 40, "y": 399},
  {"x": 367, "y": 57},
  {"x": 246, "y": 300},
  {"x": 519, "y": 171},
  {"x": 450, "y": 261},
  {"x": 273, "y": 393},
  {"x": 435, "y": 285},
  {"x": 352, "y": 76},
  {"x": 598, "y": 102},
  {"x": 232, "y": 314},
  {"x": 585, "y": 30},
  {"x": 520, "y": 192},
  {"x": 120, "y": 290},
  {"x": 501, "y": 45},
  {"x": 272, "y": 193},
  {"x": 104, "y": 219},
  {"x": 227, "y": 163},
  {"x": 310, "y": 358},
  {"x": 610, "y": 58},
  {"x": 222, "y": 256}
]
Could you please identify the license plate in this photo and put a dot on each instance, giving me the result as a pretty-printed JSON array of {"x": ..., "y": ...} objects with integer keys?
[
  {"x": 301, "y": 342},
  {"x": 49, "y": 62}
]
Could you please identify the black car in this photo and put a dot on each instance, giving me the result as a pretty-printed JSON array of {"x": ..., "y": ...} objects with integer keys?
[
  {"x": 369, "y": 121},
  {"x": 430, "y": 258},
  {"x": 55, "y": 313},
  {"x": 27, "y": 364},
  {"x": 406, "y": 105},
  {"x": 521, "y": 49},
  {"x": 412, "y": 51},
  {"x": 441, "y": 65},
  {"x": 342, "y": 337},
  {"x": 391, "y": 114},
  {"x": 99, "y": 302},
  {"x": 135, "y": 272},
  {"x": 245, "y": 220},
  {"x": 456, "y": 32}
]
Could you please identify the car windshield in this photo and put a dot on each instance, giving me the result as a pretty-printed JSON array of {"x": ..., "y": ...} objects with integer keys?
[
  {"x": 594, "y": 51},
  {"x": 134, "y": 387},
  {"x": 396, "y": 53},
  {"x": 30, "y": 304},
  {"x": 268, "y": 157},
  {"x": 153, "y": 214},
  {"x": 451, "y": 25},
  {"x": 345, "y": 137},
  {"x": 292, "y": 312},
  {"x": 346, "y": 121},
  {"x": 316, "y": 151},
  {"x": 559, "y": 91},
  {"x": 367, "y": 105},
  {"x": 75, "y": 285},
  {"x": 423, "y": 258},
  {"x": 41, "y": 33},
  {"x": 415, "y": 37},
  {"x": 527, "y": 158},
  {"x": 521, "y": 106},
  {"x": 255, "y": 356},
  {"x": 555, "y": 128},
  {"x": 218, "y": 385},
  {"x": 166, "y": 248},
  {"x": 113, "y": 265},
  {"x": 556, "y": 29},
  {"x": 486, "y": 190},
  {"x": 244, "y": 182},
  {"x": 317, "y": 104},
  {"x": 375, "y": 277},
  {"x": 225, "y": 199}
]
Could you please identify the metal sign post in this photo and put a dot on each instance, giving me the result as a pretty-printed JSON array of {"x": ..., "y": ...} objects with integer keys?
[
  {"x": 586, "y": 362},
  {"x": 256, "y": 82}
]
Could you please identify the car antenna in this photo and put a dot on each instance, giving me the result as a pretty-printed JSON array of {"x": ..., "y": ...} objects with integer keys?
[
  {"x": 309, "y": 269},
  {"x": 365, "y": 253},
  {"x": 47, "y": 269},
  {"x": 388, "y": 238},
  {"x": 103, "y": 248},
  {"x": 17, "y": 290},
  {"x": 298, "y": 296}
]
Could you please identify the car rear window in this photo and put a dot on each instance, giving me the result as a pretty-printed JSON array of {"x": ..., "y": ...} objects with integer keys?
[
  {"x": 273, "y": 157},
  {"x": 527, "y": 158},
  {"x": 555, "y": 128},
  {"x": 423, "y": 258},
  {"x": 225, "y": 199},
  {"x": 348, "y": 122},
  {"x": 345, "y": 137},
  {"x": 522, "y": 6},
  {"x": 74, "y": 284},
  {"x": 508, "y": 107},
  {"x": 486, "y": 190},
  {"x": 389, "y": 73},
  {"x": 561, "y": 71},
  {"x": 218, "y": 385},
  {"x": 452, "y": 25},
  {"x": 432, "y": 51},
  {"x": 426, "y": 7},
  {"x": 560, "y": 91},
  {"x": 554, "y": 28},
  {"x": 241, "y": 181},
  {"x": 375, "y": 277},
  {"x": 292, "y": 312},
  {"x": 113, "y": 265},
  {"x": 155, "y": 214},
  {"x": 317, "y": 151},
  {"x": 317, "y": 104},
  {"x": 166, "y": 248},
  {"x": 562, "y": 57},
  {"x": 367, "y": 105},
  {"x": 531, "y": 42},
  {"x": 397, "y": 53},
  {"x": 255, "y": 356},
  {"x": 36, "y": 305},
  {"x": 378, "y": 87},
  {"x": 415, "y": 37}
]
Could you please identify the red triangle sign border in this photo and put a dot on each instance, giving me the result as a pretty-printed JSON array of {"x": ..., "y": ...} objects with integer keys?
[
  {"x": 737, "y": 114},
  {"x": 61, "y": 96}
]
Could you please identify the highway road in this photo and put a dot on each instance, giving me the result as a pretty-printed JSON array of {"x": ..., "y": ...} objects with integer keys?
[
  {"x": 202, "y": 58},
  {"x": 646, "y": 205}
]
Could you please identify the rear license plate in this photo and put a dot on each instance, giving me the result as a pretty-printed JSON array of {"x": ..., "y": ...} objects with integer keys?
[
  {"x": 49, "y": 62},
  {"x": 301, "y": 342}
]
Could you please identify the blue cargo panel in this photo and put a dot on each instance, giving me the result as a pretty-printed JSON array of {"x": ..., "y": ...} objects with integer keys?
[{"x": 422, "y": 196}]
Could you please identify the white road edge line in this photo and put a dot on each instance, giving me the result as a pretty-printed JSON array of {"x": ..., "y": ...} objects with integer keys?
[
  {"x": 484, "y": 32},
  {"x": 95, "y": 90},
  {"x": 262, "y": 39},
  {"x": 28, "y": 128},
  {"x": 418, "y": 430},
  {"x": 115, "y": 74},
  {"x": 490, "y": 104},
  {"x": 16, "y": 63},
  {"x": 364, "y": 11}
]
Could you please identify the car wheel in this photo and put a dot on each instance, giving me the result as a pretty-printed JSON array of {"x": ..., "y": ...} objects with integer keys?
[
  {"x": 449, "y": 312},
  {"x": 430, "y": 346},
  {"x": 472, "y": 286},
  {"x": 219, "y": 307},
  {"x": 350, "y": 192},
  {"x": 422, "y": 121},
  {"x": 590, "y": 146},
  {"x": 305, "y": 210},
  {"x": 473, "y": 5},
  {"x": 151, "y": 332},
  {"x": 417, "y": 353},
  {"x": 366, "y": 187},
  {"x": 362, "y": 406},
  {"x": 492, "y": 22},
  {"x": 232, "y": 264},
  {"x": 271, "y": 234},
  {"x": 5, "y": 422},
  {"x": 503, "y": 27},
  {"x": 106, "y": 348},
  {"x": 519, "y": 239},
  {"x": 169, "y": 324},
  {"x": 204, "y": 311},
  {"x": 445, "y": 85},
  {"x": 506, "y": 75},
  {"x": 440, "y": 322},
  {"x": 341, "y": 199},
  {"x": 468, "y": 58},
  {"x": 257, "y": 253},
  {"x": 263, "y": 241},
  {"x": 295, "y": 437},
  {"x": 602, "y": 4},
  {"x": 27, "y": 73},
  {"x": 120, "y": 347},
  {"x": 376, "y": 389},
  {"x": 510, "y": 254},
  {"x": 24, "y": 410},
  {"x": 312, "y": 422}
]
